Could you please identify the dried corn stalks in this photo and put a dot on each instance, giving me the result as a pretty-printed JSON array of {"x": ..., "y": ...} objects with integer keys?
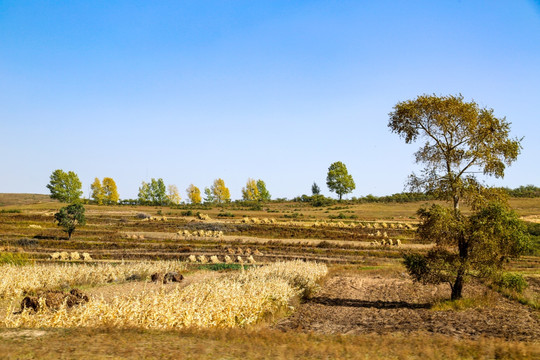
[{"x": 229, "y": 301}]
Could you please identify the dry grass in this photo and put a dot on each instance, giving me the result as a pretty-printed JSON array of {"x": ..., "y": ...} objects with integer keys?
[
  {"x": 251, "y": 344},
  {"x": 237, "y": 299},
  {"x": 17, "y": 280}
]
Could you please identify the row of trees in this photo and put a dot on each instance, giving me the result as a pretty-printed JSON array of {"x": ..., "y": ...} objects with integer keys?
[{"x": 106, "y": 192}]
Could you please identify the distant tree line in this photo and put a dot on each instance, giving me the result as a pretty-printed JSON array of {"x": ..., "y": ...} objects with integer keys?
[
  {"x": 66, "y": 187},
  {"x": 528, "y": 191}
]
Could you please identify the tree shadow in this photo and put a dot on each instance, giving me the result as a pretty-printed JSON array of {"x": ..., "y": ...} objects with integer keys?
[{"x": 367, "y": 304}]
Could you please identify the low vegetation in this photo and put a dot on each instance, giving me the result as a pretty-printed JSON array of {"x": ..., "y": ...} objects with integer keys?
[{"x": 236, "y": 299}]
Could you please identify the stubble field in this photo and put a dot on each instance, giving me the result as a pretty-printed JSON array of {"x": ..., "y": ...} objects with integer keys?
[{"x": 366, "y": 306}]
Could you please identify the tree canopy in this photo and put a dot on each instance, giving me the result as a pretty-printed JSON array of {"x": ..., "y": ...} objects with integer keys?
[
  {"x": 97, "y": 191},
  {"x": 315, "y": 189},
  {"x": 153, "y": 193},
  {"x": 65, "y": 187},
  {"x": 220, "y": 191},
  {"x": 478, "y": 245},
  {"x": 173, "y": 195},
  {"x": 255, "y": 191},
  {"x": 193, "y": 194},
  {"x": 461, "y": 139},
  {"x": 71, "y": 216},
  {"x": 338, "y": 179},
  {"x": 264, "y": 194},
  {"x": 110, "y": 191},
  {"x": 250, "y": 192}
]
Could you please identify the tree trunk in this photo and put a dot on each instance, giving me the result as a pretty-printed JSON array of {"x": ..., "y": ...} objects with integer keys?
[
  {"x": 457, "y": 288},
  {"x": 69, "y": 234},
  {"x": 340, "y": 195},
  {"x": 456, "y": 202}
]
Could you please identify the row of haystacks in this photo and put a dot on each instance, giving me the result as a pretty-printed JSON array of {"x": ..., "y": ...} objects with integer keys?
[{"x": 70, "y": 256}]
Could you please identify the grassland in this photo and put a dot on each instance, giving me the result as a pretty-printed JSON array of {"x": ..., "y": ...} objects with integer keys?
[{"x": 367, "y": 306}]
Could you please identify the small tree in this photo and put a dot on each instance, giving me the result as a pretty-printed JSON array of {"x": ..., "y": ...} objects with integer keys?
[
  {"x": 250, "y": 192},
  {"x": 97, "y": 191},
  {"x": 315, "y": 189},
  {"x": 154, "y": 193},
  {"x": 208, "y": 196},
  {"x": 220, "y": 191},
  {"x": 264, "y": 194},
  {"x": 65, "y": 187},
  {"x": 145, "y": 195},
  {"x": 194, "y": 194},
  {"x": 110, "y": 191},
  {"x": 477, "y": 245},
  {"x": 158, "y": 191},
  {"x": 173, "y": 195},
  {"x": 69, "y": 217},
  {"x": 338, "y": 179}
]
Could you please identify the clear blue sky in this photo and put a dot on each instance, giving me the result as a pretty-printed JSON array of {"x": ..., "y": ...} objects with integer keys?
[{"x": 190, "y": 91}]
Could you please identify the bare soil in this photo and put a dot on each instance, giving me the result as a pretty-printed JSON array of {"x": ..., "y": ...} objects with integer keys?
[{"x": 368, "y": 303}]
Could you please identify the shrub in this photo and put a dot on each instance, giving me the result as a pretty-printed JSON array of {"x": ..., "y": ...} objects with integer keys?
[
  {"x": 226, "y": 214},
  {"x": 513, "y": 281}
]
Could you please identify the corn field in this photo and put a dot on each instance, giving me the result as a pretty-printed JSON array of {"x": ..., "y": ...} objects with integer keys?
[
  {"x": 17, "y": 280},
  {"x": 232, "y": 300}
]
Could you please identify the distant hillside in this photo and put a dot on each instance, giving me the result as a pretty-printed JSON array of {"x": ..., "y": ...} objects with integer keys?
[{"x": 23, "y": 199}]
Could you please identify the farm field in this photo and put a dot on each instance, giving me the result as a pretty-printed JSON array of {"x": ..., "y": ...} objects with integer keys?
[{"x": 300, "y": 281}]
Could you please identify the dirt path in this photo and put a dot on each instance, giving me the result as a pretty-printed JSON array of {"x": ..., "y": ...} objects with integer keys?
[{"x": 365, "y": 304}]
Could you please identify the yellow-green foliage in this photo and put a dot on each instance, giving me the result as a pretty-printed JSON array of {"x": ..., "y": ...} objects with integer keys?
[{"x": 233, "y": 300}]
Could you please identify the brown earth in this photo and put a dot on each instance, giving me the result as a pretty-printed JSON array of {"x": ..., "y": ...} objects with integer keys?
[{"x": 367, "y": 303}]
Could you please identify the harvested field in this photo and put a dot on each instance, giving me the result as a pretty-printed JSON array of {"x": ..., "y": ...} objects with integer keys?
[
  {"x": 367, "y": 299},
  {"x": 365, "y": 304}
]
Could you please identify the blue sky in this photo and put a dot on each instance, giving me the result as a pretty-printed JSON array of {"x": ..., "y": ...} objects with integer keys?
[{"x": 190, "y": 91}]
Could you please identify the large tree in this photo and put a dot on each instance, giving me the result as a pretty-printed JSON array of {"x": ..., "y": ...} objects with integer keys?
[
  {"x": 461, "y": 139},
  {"x": 69, "y": 217},
  {"x": 65, "y": 187},
  {"x": 338, "y": 179}
]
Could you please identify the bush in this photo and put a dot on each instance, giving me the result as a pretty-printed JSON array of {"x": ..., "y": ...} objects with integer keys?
[
  {"x": 513, "y": 281},
  {"x": 187, "y": 213},
  {"x": 226, "y": 214}
]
